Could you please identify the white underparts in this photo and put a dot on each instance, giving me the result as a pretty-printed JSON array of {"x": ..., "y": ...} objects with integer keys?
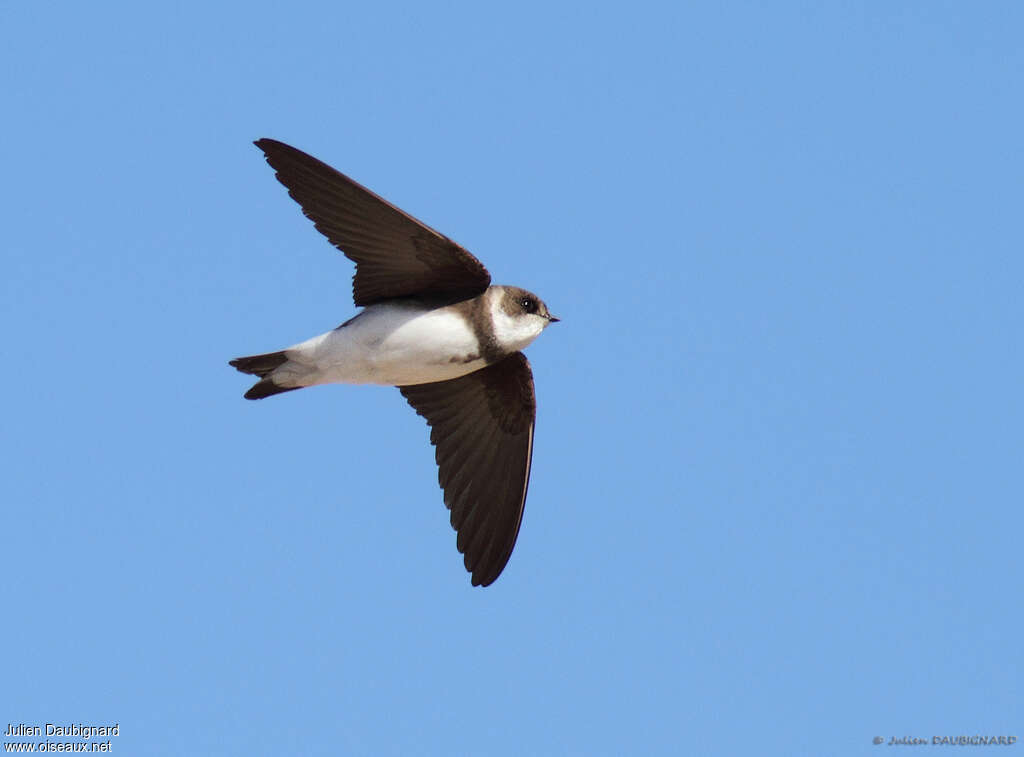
[{"x": 392, "y": 344}]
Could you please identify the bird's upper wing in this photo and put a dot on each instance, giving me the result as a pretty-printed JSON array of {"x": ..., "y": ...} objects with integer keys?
[
  {"x": 482, "y": 426},
  {"x": 395, "y": 255}
]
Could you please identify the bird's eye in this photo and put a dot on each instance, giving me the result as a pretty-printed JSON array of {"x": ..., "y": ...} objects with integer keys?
[{"x": 529, "y": 305}]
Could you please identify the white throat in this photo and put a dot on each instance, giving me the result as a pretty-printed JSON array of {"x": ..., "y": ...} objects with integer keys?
[{"x": 512, "y": 331}]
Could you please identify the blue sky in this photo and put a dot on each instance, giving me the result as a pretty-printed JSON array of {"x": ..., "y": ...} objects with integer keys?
[{"x": 776, "y": 495}]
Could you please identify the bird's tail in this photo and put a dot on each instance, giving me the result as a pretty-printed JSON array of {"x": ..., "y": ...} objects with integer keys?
[{"x": 263, "y": 366}]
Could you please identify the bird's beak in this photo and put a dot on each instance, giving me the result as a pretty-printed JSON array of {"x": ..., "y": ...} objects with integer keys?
[{"x": 552, "y": 319}]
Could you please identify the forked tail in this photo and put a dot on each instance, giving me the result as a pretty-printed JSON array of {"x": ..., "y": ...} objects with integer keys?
[{"x": 263, "y": 366}]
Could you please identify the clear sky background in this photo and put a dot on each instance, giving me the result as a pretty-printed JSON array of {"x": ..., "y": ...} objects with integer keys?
[{"x": 777, "y": 483}]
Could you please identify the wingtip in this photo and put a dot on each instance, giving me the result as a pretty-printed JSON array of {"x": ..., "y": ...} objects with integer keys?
[
  {"x": 486, "y": 575},
  {"x": 266, "y": 144}
]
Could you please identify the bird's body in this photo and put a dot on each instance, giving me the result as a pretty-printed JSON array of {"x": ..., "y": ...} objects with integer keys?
[
  {"x": 433, "y": 326},
  {"x": 406, "y": 342}
]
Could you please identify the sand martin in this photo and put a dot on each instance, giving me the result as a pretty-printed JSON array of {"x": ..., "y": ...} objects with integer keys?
[{"x": 433, "y": 326}]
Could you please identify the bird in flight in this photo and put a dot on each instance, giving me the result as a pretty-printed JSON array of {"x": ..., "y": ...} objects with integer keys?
[{"x": 434, "y": 326}]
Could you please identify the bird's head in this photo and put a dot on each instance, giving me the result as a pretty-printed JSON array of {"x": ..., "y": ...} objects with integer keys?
[{"x": 519, "y": 317}]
